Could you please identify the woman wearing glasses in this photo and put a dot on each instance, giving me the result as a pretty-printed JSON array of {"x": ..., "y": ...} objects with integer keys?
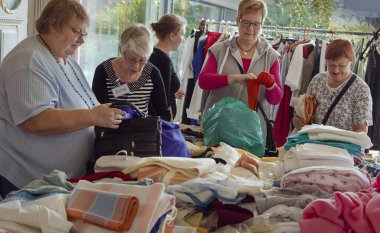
[
  {"x": 244, "y": 57},
  {"x": 47, "y": 108},
  {"x": 170, "y": 32},
  {"x": 353, "y": 111},
  {"x": 130, "y": 76}
]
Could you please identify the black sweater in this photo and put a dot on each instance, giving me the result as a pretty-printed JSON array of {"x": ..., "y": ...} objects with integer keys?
[{"x": 149, "y": 88}]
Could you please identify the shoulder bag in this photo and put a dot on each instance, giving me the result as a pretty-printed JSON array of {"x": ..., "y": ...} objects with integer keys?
[
  {"x": 337, "y": 99},
  {"x": 270, "y": 147}
]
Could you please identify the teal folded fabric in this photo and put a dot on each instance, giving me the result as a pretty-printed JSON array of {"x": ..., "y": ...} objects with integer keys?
[{"x": 299, "y": 139}]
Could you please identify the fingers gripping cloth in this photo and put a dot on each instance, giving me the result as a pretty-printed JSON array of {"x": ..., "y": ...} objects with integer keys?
[{"x": 253, "y": 85}]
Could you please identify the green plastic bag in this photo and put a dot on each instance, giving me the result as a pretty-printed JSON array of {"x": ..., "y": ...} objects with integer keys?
[{"x": 232, "y": 122}]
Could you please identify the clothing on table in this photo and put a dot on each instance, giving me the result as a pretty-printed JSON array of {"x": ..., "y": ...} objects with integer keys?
[
  {"x": 162, "y": 61},
  {"x": 354, "y": 108},
  {"x": 149, "y": 88},
  {"x": 32, "y": 81}
]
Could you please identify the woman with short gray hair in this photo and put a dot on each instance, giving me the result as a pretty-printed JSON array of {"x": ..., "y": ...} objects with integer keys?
[{"x": 131, "y": 76}]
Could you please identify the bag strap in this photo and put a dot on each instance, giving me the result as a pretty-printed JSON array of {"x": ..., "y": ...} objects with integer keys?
[
  {"x": 337, "y": 99},
  {"x": 258, "y": 102}
]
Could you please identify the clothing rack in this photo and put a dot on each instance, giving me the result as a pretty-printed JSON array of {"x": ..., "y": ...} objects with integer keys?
[
  {"x": 295, "y": 29},
  {"x": 316, "y": 30}
]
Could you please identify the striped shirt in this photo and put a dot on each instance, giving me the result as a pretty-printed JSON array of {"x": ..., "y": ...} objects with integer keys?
[{"x": 147, "y": 93}]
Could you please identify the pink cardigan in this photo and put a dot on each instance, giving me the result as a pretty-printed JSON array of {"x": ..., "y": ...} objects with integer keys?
[{"x": 209, "y": 79}]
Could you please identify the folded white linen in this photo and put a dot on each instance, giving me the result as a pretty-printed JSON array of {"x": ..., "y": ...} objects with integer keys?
[
  {"x": 48, "y": 219},
  {"x": 310, "y": 154},
  {"x": 360, "y": 138}
]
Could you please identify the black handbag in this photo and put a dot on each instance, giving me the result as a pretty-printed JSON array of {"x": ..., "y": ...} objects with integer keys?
[
  {"x": 270, "y": 147},
  {"x": 139, "y": 136}
]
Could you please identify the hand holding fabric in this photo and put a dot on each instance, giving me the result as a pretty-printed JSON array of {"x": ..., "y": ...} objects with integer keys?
[{"x": 265, "y": 79}]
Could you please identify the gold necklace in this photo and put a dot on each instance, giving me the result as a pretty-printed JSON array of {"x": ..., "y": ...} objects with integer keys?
[{"x": 245, "y": 52}]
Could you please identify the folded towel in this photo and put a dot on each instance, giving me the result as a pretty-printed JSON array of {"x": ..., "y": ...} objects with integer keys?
[{"x": 110, "y": 210}]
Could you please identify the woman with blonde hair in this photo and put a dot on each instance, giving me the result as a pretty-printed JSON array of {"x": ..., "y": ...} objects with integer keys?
[
  {"x": 244, "y": 57},
  {"x": 170, "y": 31}
]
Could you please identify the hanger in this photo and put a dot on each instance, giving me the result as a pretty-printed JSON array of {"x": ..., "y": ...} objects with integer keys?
[{"x": 375, "y": 37}]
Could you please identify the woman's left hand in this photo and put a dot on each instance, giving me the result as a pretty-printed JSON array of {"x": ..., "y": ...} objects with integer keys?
[
  {"x": 179, "y": 94},
  {"x": 249, "y": 163}
]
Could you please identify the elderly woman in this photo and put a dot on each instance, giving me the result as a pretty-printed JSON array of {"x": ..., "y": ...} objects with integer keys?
[
  {"x": 170, "y": 31},
  {"x": 130, "y": 76},
  {"x": 47, "y": 108},
  {"x": 354, "y": 110}
]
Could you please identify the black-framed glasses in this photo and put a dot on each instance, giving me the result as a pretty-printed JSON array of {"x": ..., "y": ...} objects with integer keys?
[
  {"x": 78, "y": 33},
  {"x": 140, "y": 62},
  {"x": 247, "y": 23}
]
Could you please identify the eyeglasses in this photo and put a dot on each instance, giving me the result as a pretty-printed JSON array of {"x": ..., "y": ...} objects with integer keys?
[
  {"x": 78, "y": 33},
  {"x": 247, "y": 23},
  {"x": 339, "y": 66},
  {"x": 132, "y": 61}
]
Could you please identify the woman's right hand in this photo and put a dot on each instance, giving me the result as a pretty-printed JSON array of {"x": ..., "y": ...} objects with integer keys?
[
  {"x": 298, "y": 122},
  {"x": 105, "y": 116},
  {"x": 240, "y": 78}
]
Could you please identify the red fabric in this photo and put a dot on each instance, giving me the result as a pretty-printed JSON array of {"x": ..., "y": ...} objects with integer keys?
[
  {"x": 253, "y": 85},
  {"x": 212, "y": 37},
  {"x": 253, "y": 92},
  {"x": 377, "y": 183},
  {"x": 100, "y": 175},
  {"x": 265, "y": 79},
  {"x": 283, "y": 119}
]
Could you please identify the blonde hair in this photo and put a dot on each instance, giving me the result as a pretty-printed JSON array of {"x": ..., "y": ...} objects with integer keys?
[
  {"x": 167, "y": 24},
  {"x": 137, "y": 38},
  {"x": 246, "y": 6},
  {"x": 57, "y": 14}
]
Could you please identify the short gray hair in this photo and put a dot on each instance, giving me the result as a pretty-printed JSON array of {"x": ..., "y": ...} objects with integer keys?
[{"x": 137, "y": 38}]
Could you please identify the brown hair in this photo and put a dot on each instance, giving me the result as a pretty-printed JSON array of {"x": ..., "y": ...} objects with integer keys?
[
  {"x": 167, "y": 24},
  {"x": 252, "y": 6},
  {"x": 57, "y": 14},
  {"x": 340, "y": 48}
]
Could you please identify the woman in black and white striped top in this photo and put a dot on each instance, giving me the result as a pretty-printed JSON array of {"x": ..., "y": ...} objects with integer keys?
[{"x": 131, "y": 77}]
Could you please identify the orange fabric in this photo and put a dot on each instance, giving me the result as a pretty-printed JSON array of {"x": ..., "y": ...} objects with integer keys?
[
  {"x": 253, "y": 93},
  {"x": 310, "y": 105},
  {"x": 253, "y": 85},
  {"x": 122, "y": 209}
]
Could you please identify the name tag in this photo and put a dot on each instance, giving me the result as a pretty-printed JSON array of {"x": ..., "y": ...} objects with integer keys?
[{"x": 121, "y": 90}]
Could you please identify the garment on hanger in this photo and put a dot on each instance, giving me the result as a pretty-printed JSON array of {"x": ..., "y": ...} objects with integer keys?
[{"x": 372, "y": 79}]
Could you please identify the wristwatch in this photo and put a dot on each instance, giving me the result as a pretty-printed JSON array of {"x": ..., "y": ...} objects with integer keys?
[{"x": 10, "y": 6}]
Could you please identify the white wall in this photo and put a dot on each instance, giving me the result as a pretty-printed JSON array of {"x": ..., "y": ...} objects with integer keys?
[{"x": 13, "y": 28}]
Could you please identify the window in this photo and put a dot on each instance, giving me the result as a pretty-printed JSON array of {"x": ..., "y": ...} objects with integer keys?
[{"x": 109, "y": 17}]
